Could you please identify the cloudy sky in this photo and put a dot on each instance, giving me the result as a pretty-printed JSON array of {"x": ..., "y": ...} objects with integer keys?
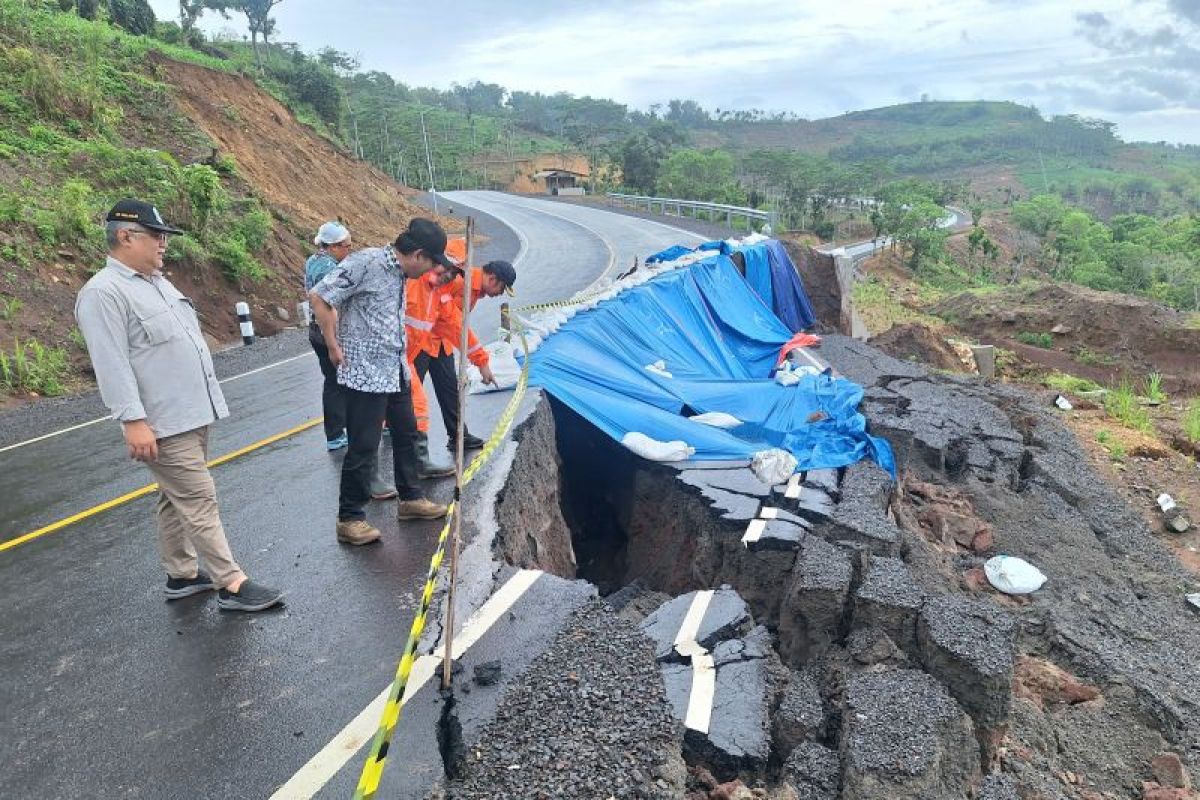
[{"x": 1136, "y": 62}]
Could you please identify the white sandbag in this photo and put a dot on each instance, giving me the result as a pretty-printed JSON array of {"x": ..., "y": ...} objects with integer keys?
[
  {"x": 654, "y": 450},
  {"x": 717, "y": 419},
  {"x": 785, "y": 377},
  {"x": 773, "y": 466},
  {"x": 1013, "y": 575},
  {"x": 505, "y": 369}
]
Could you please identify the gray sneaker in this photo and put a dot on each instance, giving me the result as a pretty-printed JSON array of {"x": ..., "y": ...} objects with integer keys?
[
  {"x": 250, "y": 596},
  {"x": 186, "y": 587}
]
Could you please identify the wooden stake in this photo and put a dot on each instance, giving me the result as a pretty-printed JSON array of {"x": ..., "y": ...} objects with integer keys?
[{"x": 456, "y": 523}]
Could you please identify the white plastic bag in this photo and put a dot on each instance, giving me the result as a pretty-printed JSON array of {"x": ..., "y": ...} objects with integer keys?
[
  {"x": 785, "y": 377},
  {"x": 717, "y": 419},
  {"x": 654, "y": 450},
  {"x": 773, "y": 466},
  {"x": 1013, "y": 575}
]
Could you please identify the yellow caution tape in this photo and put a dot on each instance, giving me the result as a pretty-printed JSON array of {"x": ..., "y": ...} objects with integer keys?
[{"x": 372, "y": 772}]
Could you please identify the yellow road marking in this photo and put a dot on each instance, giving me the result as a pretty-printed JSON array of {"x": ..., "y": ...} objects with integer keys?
[{"x": 145, "y": 490}]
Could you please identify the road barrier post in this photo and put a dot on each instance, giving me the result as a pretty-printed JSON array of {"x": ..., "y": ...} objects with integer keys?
[{"x": 244, "y": 322}]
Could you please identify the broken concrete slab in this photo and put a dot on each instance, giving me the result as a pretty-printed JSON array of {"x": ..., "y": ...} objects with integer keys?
[
  {"x": 904, "y": 738},
  {"x": 775, "y": 533},
  {"x": 725, "y": 616},
  {"x": 740, "y": 481},
  {"x": 871, "y": 646},
  {"x": 969, "y": 645},
  {"x": 813, "y": 772},
  {"x": 811, "y": 616},
  {"x": 890, "y": 599},
  {"x": 800, "y": 716},
  {"x": 811, "y": 502},
  {"x": 824, "y": 479}
]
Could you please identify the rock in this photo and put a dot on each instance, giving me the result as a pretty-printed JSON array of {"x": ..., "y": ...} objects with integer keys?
[
  {"x": 810, "y": 617},
  {"x": 800, "y": 717},
  {"x": 1153, "y": 791},
  {"x": 812, "y": 772},
  {"x": 969, "y": 646},
  {"x": 976, "y": 580},
  {"x": 1062, "y": 329},
  {"x": 733, "y": 790},
  {"x": 1169, "y": 771},
  {"x": 869, "y": 646},
  {"x": 983, "y": 542},
  {"x": 1047, "y": 684},
  {"x": 282, "y": 313},
  {"x": 904, "y": 738},
  {"x": 998, "y": 787},
  {"x": 487, "y": 673},
  {"x": 703, "y": 777}
]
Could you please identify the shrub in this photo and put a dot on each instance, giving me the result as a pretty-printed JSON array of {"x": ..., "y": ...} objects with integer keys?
[
  {"x": 253, "y": 226},
  {"x": 230, "y": 254},
  {"x": 184, "y": 248},
  {"x": 1043, "y": 340},
  {"x": 1122, "y": 404},
  {"x": 1153, "y": 388},
  {"x": 33, "y": 367},
  {"x": 1069, "y": 383},
  {"x": 1191, "y": 421},
  {"x": 205, "y": 195}
]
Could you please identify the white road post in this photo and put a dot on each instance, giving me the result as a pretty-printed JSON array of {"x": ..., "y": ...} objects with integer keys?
[{"x": 244, "y": 322}]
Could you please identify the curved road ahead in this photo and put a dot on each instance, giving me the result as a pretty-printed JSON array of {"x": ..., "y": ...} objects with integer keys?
[{"x": 110, "y": 692}]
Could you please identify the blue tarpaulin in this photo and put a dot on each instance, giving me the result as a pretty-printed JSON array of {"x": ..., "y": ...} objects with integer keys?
[{"x": 720, "y": 342}]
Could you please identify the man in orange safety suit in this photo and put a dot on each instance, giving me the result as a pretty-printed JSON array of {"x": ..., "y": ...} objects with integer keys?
[
  {"x": 434, "y": 355},
  {"x": 433, "y": 320}
]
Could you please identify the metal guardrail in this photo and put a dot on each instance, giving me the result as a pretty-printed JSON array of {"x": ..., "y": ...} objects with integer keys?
[{"x": 669, "y": 206}]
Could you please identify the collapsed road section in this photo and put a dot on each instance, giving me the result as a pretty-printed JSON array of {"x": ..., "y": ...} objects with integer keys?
[{"x": 829, "y": 634}]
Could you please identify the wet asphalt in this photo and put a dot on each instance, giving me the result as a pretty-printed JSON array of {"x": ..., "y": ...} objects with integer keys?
[{"x": 109, "y": 691}]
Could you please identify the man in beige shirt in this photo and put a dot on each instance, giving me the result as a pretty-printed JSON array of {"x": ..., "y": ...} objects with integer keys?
[{"x": 156, "y": 376}]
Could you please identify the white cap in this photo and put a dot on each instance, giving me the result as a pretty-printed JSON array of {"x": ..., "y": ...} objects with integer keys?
[{"x": 331, "y": 233}]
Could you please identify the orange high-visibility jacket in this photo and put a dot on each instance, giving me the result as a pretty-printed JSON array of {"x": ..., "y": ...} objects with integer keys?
[{"x": 433, "y": 316}]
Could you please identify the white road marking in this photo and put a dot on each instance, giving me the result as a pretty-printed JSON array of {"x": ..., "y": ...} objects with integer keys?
[
  {"x": 321, "y": 768},
  {"x": 793, "y": 487},
  {"x": 704, "y": 674},
  {"x": 754, "y": 531},
  {"x": 230, "y": 379},
  {"x": 769, "y": 513}
]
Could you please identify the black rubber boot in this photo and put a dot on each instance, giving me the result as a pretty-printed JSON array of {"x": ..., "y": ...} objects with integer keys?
[{"x": 425, "y": 467}]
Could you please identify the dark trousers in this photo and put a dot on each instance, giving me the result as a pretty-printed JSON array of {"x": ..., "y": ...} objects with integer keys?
[
  {"x": 333, "y": 399},
  {"x": 445, "y": 385},
  {"x": 365, "y": 413}
]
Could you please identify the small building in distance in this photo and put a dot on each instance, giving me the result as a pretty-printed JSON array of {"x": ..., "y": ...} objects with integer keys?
[{"x": 561, "y": 181}]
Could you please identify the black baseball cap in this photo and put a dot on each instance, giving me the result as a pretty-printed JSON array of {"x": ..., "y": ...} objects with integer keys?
[
  {"x": 504, "y": 272},
  {"x": 142, "y": 213},
  {"x": 428, "y": 237}
]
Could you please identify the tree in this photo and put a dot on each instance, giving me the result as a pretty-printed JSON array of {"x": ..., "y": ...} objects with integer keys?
[
  {"x": 135, "y": 16},
  {"x": 190, "y": 11},
  {"x": 700, "y": 175},
  {"x": 258, "y": 19}
]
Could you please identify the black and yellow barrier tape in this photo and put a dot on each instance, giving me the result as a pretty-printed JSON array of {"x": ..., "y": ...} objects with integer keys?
[{"x": 372, "y": 772}]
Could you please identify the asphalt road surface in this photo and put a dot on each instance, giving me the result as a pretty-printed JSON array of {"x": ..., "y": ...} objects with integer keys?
[{"x": 110, "y": 692}]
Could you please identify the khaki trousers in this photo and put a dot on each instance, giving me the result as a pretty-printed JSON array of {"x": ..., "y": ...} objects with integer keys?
[{"x": 189, "y": 523}]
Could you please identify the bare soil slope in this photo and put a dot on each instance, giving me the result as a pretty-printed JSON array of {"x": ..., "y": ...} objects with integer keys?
[{"x": 303, "y": 176}]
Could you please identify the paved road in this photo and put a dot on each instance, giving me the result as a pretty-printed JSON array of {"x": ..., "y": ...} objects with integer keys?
[{"x": 109, "y": 692}]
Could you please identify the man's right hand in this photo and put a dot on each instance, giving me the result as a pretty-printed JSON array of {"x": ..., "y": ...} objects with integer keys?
[
  {"x": 336, "y": 356},
  {"x": 139, "y": 438}
]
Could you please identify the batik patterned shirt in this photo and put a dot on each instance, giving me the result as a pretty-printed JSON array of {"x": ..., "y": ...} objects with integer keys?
[{"x": 367, "y": 289}]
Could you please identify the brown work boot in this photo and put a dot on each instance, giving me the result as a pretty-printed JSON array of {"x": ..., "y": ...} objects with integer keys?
[
  {"x": 421, "y": 508},
  {"x": 356, "y": 531}
]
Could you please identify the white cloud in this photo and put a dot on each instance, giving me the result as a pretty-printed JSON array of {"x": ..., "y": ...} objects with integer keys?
[{"x": 814, "y": 59}]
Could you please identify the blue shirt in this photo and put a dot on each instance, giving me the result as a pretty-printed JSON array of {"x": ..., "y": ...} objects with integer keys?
[
  {"x": 367, "y": 289},
  {"x": 317, "y": 267}
]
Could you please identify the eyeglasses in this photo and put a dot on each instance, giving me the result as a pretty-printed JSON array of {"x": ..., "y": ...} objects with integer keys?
[{"x": 162, "y": 237}]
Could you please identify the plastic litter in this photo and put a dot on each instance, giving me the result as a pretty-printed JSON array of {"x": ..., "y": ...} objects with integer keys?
[
  {"x": 1063, "y": 403},
  {"x": 1194, "y": 599},
  {"x": 717, "y": 419},
  {"x": 1166, "y": 502},
  {"x": 773, "y": 466},
  {"x": 654, "y": 450},
  {"x": 1013, "y": 575}
]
